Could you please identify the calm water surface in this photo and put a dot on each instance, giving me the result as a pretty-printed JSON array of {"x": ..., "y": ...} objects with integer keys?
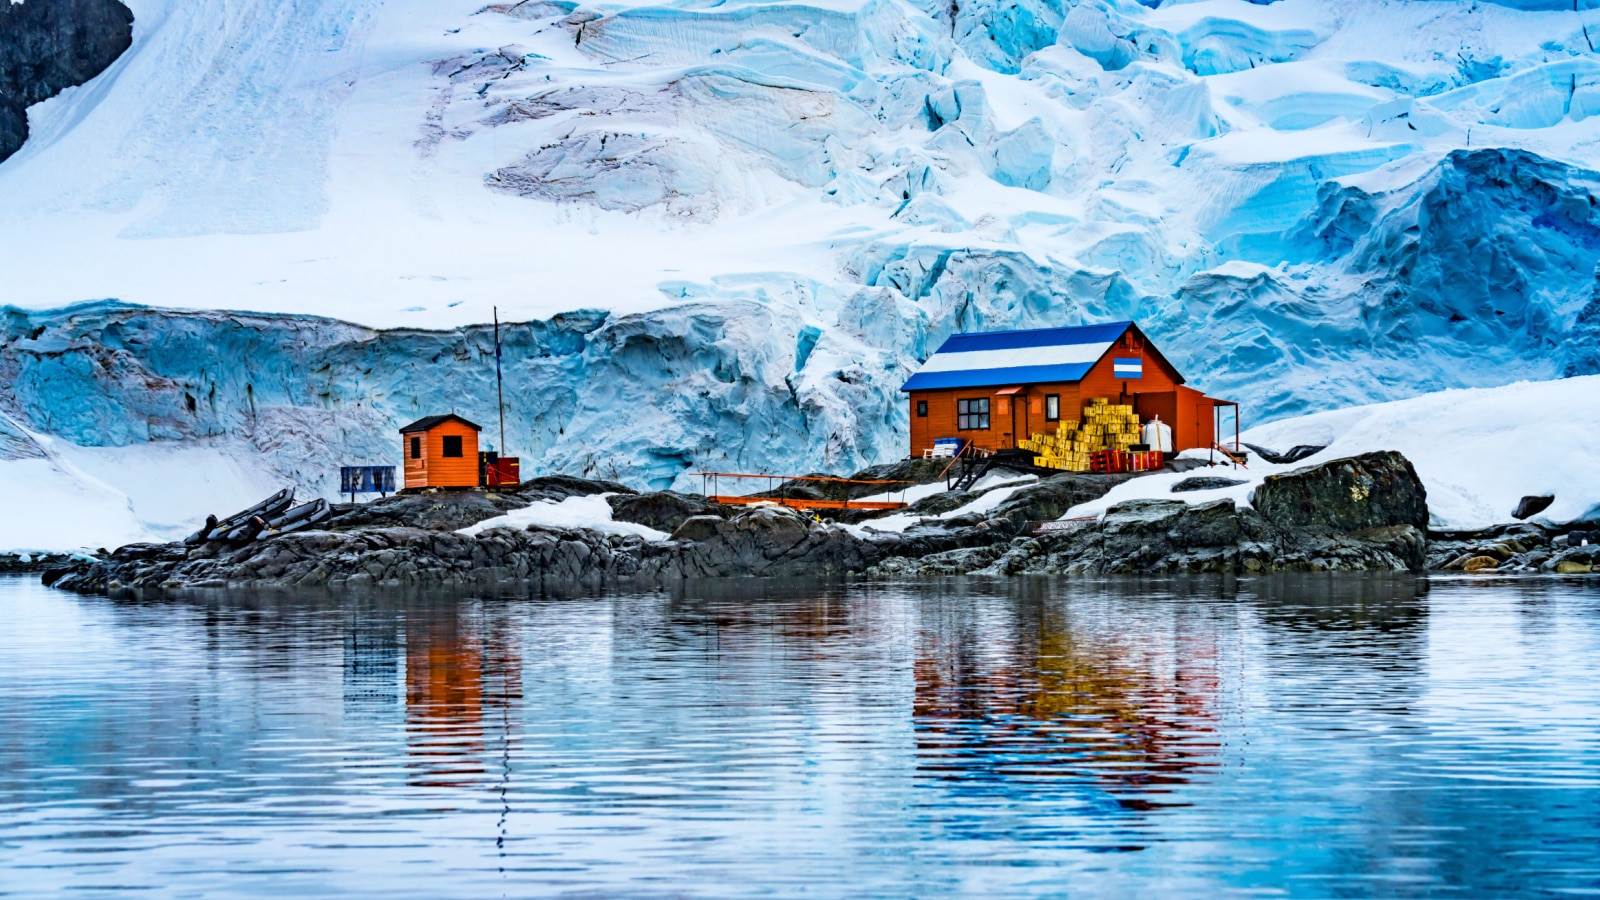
[{"x": 1319, "y": 736}]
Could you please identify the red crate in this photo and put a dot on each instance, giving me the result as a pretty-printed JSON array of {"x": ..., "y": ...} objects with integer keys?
[
  {"x": 1106, "y": 461},
  {"x": 1146, "y": 460},
  {"x": 503, "y": 472}
]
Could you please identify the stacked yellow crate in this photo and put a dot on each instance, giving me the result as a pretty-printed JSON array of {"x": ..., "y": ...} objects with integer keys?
[
  {"x": 1117, "y": 421},
  {"x": 1105, "y": 426},
  {"x": 1066, "y": 448}
]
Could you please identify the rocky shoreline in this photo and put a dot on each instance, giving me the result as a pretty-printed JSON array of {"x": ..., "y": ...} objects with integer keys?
[{"x": 1361, "y": 513}]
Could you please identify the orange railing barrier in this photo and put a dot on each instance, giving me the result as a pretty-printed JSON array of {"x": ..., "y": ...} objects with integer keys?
[
  {"x": 709, "y": 486},
  {"x": 801, "y": 503}
]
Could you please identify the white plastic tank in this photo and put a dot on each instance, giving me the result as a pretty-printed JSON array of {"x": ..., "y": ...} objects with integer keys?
[{"x": 1158, "y": 435}]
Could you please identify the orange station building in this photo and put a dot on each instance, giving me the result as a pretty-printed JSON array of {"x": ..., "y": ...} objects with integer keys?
[
  {"x": 441, "y": 451},
  {"x": 995, "y": 388}
]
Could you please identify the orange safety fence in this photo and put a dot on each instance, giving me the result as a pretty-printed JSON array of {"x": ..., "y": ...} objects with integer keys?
[
  {"x": 709, "y": 489},
  {"x": 800, "y": 503}
]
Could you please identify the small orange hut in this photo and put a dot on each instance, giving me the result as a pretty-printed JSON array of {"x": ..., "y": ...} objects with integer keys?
[{"x": 441, "y": 451}]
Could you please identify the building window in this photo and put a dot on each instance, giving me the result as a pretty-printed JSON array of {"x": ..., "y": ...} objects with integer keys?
[
  {"x": 1052, "y": 407},
  {"x": 972, "y": 415},
  {"x": 416, "y": 448},
  {"x": 922, "y": 409},
  {"x": 452, "y": 445}
]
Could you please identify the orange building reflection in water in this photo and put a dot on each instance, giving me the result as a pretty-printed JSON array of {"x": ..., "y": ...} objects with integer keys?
[
  {"x": 1135, "y": 715},
  {"x": 463, "y": 685}
]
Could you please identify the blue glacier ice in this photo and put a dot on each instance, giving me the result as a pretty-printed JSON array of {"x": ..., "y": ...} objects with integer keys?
[{"x": 1306, "y": 203}]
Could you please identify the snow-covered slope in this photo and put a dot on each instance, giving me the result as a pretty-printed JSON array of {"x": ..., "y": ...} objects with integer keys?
[
  {"x": 1309, "y": 203},
  {"x": 1477, "y": 451}
]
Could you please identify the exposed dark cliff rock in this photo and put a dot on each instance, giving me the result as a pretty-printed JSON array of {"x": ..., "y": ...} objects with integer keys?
[
  {"x": 1168, "y": 536},
  {"x": 442, "y": 511},
  {"x": 47, "y": 46},
  {"x": 17, "y": 563},
  {"x": 1532, "y": 505},
  {"x": 1292, "y": 455},
  {"x": 762, "y": 542},
  {"x": 450, "y": 510},
  {"x": 662, "y": 510},
  {"x": 1516, "y": 548},
  {"x": 1367, "y": 512},
  {"x": 1374, "y": 490},
  {"x": 1352, "y": 514},
  {"x": 1204, "y": 483}
]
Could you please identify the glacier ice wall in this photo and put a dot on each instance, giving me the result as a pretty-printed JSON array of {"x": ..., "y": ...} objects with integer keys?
[
  {"x": 1308, "y": 203},
  {"x": 641, "y": 399}
]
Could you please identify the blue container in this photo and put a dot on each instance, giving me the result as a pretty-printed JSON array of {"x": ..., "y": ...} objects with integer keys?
[{"x": 366, "y": 480}]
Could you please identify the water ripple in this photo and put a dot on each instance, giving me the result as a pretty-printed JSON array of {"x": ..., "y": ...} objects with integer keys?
[{"x": 1308, "y": 736}]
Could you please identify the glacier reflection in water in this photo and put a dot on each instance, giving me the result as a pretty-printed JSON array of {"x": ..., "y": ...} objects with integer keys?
[{"x": 1312, "y": 735}]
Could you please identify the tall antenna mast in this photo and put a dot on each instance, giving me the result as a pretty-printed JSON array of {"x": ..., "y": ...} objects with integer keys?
[{"x": 499, "y": 386}]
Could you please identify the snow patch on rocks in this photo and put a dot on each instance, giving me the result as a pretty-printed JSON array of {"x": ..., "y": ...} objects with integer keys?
[{"x": 591, "y": 512}]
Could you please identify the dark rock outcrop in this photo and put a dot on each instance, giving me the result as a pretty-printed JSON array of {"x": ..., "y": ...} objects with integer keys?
[
  {"x": 1360, "y": 513},
  {"x": 450, "y": 510},
  {"x": 762, "y": 542},
  {"x": 560, "y": 487},
  {"x": 1292, "y": 455},
  {"x": 662, "y": 510},
  {"x": 1170, "y": 536},
  {"x": 1048, "y": 498},
  {"x": 1512, "y": 547},
  {"x": 1374, "y": 490},
  {"x": 17, "y": 563},
  {"x": 47, "y": 46},
  {"x": 1367, "y": 512},
  {"x": 435, "y": 511},
  {"x": 1532, "y": 505},
  {"x": 1204, "y": 483},
  {"x": 1516, "y": 548}
]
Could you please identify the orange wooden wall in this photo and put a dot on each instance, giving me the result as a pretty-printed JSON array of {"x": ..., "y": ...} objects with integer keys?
[
  {"x": 1189, "y": 413},
  {"x": 434, "y": 469}
]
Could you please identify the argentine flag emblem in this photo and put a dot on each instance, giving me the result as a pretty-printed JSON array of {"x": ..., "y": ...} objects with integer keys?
[{"x": 1127, "y": 368}]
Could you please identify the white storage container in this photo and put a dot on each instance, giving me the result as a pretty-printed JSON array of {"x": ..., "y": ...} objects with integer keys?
[{"x": 1158, "y": 435}]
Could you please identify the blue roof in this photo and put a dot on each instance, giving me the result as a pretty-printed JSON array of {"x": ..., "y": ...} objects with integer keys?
[{"x": 994, "y": 358}]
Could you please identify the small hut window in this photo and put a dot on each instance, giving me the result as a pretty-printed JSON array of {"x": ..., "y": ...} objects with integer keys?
[
  {"x": 1052, "y": 407},
  {"x": 922, "y": 409},
  {"x": 972, "y": 415},
  {"x": 416, "y": 448},
  {"x": 452, "y": 445}
]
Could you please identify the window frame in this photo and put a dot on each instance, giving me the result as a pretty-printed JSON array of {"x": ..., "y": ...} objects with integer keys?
[
  {"x": 922, "y": 409},
  {"x": 416, "y": 447},
  {"x": 972, "y": 414},
  {"x": 1052, "y": 407},
  {"x": 444, "y": 447}
]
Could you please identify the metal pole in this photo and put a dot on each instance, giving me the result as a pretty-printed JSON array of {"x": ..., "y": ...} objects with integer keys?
[{"x": 499, "y": 391}]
